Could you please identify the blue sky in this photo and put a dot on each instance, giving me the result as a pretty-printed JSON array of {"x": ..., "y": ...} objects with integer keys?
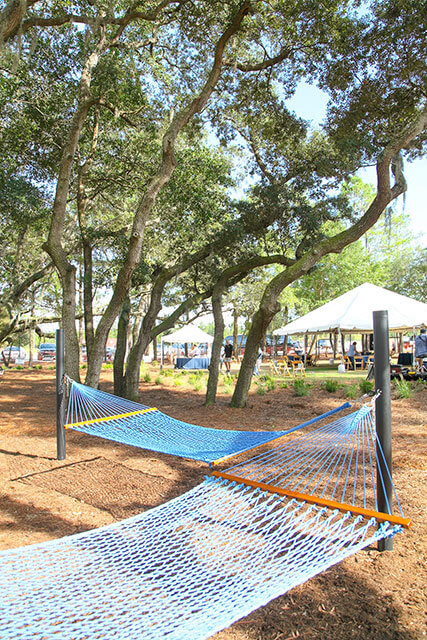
[{"x": 310, "y": 103}]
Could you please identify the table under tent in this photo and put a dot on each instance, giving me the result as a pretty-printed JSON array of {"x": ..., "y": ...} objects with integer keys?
[{"x": 189, "y": 334}]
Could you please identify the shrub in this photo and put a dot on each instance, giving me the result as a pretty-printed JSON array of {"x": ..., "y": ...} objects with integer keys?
[
  {"x": 352, "y": 392},
  {"x": 146, "y": 377},
  {"x": 158, "y": 379},
  {"x": 301, "y": 387},
  {"x": 178, "y": 382},
  {"x": 270, "y": 384},
  {"x": 228, "y": 387},
  {"x": 283, "y": 384},
  {"x": 365, "y": 386},
  {"x": 402, "y": 388},
  {"x": 261, "y": 391},
  {"x": 330, "y": 385}
]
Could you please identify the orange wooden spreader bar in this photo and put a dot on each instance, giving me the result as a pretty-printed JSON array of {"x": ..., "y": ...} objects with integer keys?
[
  {"x": 331, "y": 504},
  {"x": 120, "y": 415}
]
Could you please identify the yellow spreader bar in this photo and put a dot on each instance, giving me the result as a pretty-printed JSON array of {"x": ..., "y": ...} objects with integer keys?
[
  {"x": 331, "y": 504},
  {"x": 120, "y": 415}
]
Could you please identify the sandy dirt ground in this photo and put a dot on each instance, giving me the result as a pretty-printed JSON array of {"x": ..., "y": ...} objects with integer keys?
[{"x": 371, "y": 595}]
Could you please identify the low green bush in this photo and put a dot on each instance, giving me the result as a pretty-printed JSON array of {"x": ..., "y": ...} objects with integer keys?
[
  {"x": 270, "y": 384},
  {"x": 301, "y": 387},
  {"x": 402, "y": 388},
  {"x": 365, "y": 386},
  {"x": 147, "y": 377},
  {"x": 330, "y": 385},
  {"x": 352, "y": 391},
  {"x": 261, "y": 390},
  {"x": 158, "y": 379}
]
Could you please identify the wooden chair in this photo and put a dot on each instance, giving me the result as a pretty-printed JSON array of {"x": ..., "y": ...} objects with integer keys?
[
  {"x": 274, "y": 368},
  {"x": 358, "y": 362},
  {"x": 283, "y": 366},
  {"x": 298, "y": 368},
  {"x": 311, "y": 360},
  {"x": 348, "y": 363}
]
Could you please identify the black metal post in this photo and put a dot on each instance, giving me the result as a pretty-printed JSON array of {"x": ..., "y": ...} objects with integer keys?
[
  {"x": 383, "y": 419},
  {"x": 60, "y": 396}
]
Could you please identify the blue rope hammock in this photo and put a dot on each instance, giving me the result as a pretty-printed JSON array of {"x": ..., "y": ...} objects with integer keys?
[
  {"x": 196, "y": 564},
  {"x": 101, "y": 414}
]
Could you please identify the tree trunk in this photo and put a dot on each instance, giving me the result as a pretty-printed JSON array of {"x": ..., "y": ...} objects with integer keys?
[
  {"x": 235, "y": 332},
  {"x": 335, "y": 244},
  {"x": 53, "y": 246},
  {"x": 256, "y": 335},
  {"x": 88, "y": 297},
  {"x": 68, "y": 281},
  {"x": 119, "y": 356},
  {"x": 216, "y": 346},
  {"x": 155, "y": 185}
]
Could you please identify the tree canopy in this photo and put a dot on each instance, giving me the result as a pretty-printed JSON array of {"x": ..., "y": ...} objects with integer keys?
[{"x": 125, "y": 129}]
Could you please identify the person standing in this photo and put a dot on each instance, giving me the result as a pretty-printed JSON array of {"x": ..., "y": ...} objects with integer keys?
[
  {"x": 421, "y": 349},
  {"x": 258, "y": 362},
  {"x": 352, "y": 352},
  {"x": 228, "y": 352}
]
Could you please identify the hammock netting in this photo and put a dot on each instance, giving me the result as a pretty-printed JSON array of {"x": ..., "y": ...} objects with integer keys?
[
  {"x": 101, "y": 414},
  {"x": 337, "y": 461},
  {"x": 183, "y": 570},
  {"x": 196, "y": 564}
]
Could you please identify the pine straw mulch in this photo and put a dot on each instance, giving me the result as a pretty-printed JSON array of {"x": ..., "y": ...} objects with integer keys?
[{"x": 370, "y": 595}]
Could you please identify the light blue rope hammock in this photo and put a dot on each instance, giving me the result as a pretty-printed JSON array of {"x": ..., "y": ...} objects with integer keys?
[
  {"x": 183, "y": 570},
  {"x": 104, "y": 415},
  {"x": 196, "y": 564}
]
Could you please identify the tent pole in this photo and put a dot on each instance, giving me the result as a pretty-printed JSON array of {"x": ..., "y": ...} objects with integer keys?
[
  {"x": 341, "y": 335},
  {"x": 383, "y": 420}
]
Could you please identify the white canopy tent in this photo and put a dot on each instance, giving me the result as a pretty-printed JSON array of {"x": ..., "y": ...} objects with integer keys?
[
  {"x": 189, "y": 333},
  {"x": 353, "y": 313}
]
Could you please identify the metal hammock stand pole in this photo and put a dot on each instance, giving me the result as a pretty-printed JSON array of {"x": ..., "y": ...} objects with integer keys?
[
  {"x": 383, "y": 419},
  {"x": 60, "y": 395}
]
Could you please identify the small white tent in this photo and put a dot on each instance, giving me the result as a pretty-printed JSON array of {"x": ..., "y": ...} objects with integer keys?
[
  {"x": 352, "y": 313},
  {"x": 189, "y": 333}
]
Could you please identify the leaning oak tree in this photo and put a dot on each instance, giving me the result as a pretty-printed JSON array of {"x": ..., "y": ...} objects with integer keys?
[{"x": 377, "y": 115}]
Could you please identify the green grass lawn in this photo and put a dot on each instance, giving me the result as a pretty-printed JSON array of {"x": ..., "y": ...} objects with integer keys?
[
  {"x": 325, "y": 371},
  {"x": 331, "y": 371}
]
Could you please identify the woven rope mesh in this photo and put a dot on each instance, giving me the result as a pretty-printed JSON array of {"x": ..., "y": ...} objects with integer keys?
[
  {"x": 337, "y": 461},
  {"x": 153, "y": 429},
  {"x": 183, "y": 570}
]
